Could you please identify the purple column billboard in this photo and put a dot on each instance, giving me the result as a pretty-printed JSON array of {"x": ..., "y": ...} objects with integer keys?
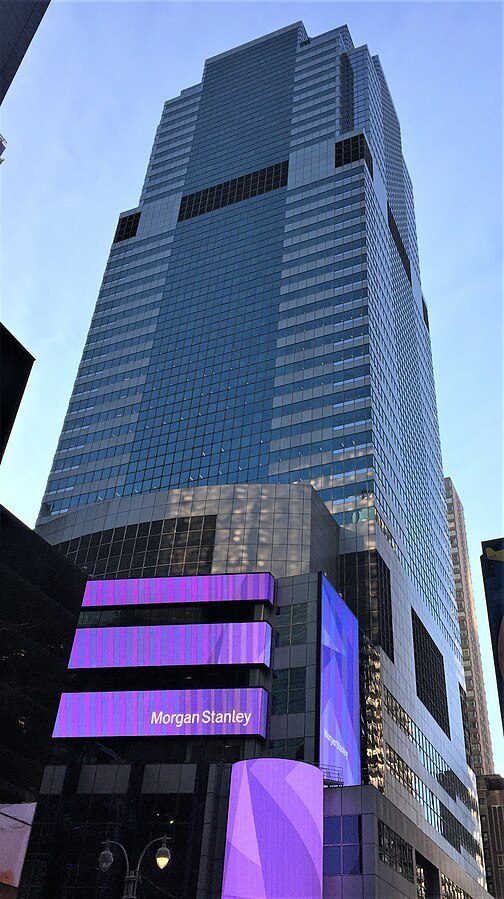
[
  {"x": 202, "y": 588},
  {"x": 339, "y": 688},
  {"x": 274, "y": 831},
  {"x": 167, "y": 713},
  {"x": 236, "y": 643}
]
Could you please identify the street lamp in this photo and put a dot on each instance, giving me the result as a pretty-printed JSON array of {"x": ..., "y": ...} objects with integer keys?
[
  {"x": 105, "y": 860},
  {"x": 163, "y": 856}
]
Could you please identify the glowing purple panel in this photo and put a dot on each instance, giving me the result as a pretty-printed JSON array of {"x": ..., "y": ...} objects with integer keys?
[
  {"x": 238, "y": 643},
  {"x": 203, "y": 588},
  {"x": 163, "y": 713},
  {"x": 274, "y": 831},
  {"x": 339, "y": 690}
]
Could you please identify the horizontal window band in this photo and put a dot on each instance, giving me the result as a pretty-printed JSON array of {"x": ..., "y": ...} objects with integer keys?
[{"x": 234, "y": 191}]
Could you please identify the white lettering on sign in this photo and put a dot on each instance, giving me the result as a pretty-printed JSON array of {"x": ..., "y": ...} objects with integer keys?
[
  {"x": 336, "y": 743},
  {"x": 209, "y": 716}
]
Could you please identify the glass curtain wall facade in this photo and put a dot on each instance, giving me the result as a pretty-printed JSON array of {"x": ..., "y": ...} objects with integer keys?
[{"x": 261, "y": 320}]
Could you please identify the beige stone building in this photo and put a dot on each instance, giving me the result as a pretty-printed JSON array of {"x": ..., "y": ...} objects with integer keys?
[{"x": 479, "y": 728}]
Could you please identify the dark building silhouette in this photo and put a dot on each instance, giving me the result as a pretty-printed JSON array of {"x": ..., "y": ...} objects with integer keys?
[
  {"x": 19, "y": 20},
  {"x": 491, "y": 801},
  {"x": 40, "y": 597},
  {"x": 492, "y": 566},
  {"x": 15, "y": 366}
]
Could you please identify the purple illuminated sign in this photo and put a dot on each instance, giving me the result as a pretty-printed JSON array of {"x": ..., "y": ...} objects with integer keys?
[
  {"x": 202, "y": 588},
  {"x": 237, "y": 643},
  {"x": 167, "y": 713},
  {"x": 274, "y": 831},
  {"x": 339, "y": 688}
]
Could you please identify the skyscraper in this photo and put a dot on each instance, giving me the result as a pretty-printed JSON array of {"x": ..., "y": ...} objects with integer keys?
[
  {"x": 19, "y": 20},
  {"x": 492, "y": 567},
  {"x": 479, "y": 727},
  {"x": 261, "y": 322},
  {"x": 40, "y": 595},
  {"x": 491, "y": 800}
]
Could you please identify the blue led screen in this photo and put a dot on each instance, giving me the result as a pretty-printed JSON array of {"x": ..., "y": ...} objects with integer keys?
[{"x": 339, "y": 688}]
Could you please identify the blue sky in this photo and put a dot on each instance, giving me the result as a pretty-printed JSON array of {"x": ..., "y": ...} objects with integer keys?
[{"x": 80, "y": 118}]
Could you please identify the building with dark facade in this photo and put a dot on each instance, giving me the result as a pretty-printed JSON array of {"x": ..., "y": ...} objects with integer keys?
[
  {"x": 491, "y": 800},
  {"x": 215, "y": 638},
  {"x": 492, "y": 566},
  {"x": 40, "y": 595},
  {"x": 19, "y": 20},
  {"x": 15, "y": 367},
  {"x": 40, "y": 598},
  {"x": 261, "y": 328},
  {"x": 491, "y": 787},
  {"x": 477, "y": 713},
  {"x": 249, "y": 619}
]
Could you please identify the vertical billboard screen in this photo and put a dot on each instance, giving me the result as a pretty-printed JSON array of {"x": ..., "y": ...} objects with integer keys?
[
  {"x": 235, "y": 643},
  {"x": 163, "y": 713},
  {"x": 339, "y": 688}
]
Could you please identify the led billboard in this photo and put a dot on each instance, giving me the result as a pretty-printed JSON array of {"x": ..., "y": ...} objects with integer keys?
[
  {"x": 236, "y": 643},
  {"x": 202, "y": 588},
  {"x": 274, "y": 831},
  {"x": 167, "y": 713},
  {"x": 339, "y": 687}
]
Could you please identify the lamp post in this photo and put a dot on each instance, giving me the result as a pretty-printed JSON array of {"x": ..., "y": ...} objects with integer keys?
[{"x": 163, "y": 856}]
